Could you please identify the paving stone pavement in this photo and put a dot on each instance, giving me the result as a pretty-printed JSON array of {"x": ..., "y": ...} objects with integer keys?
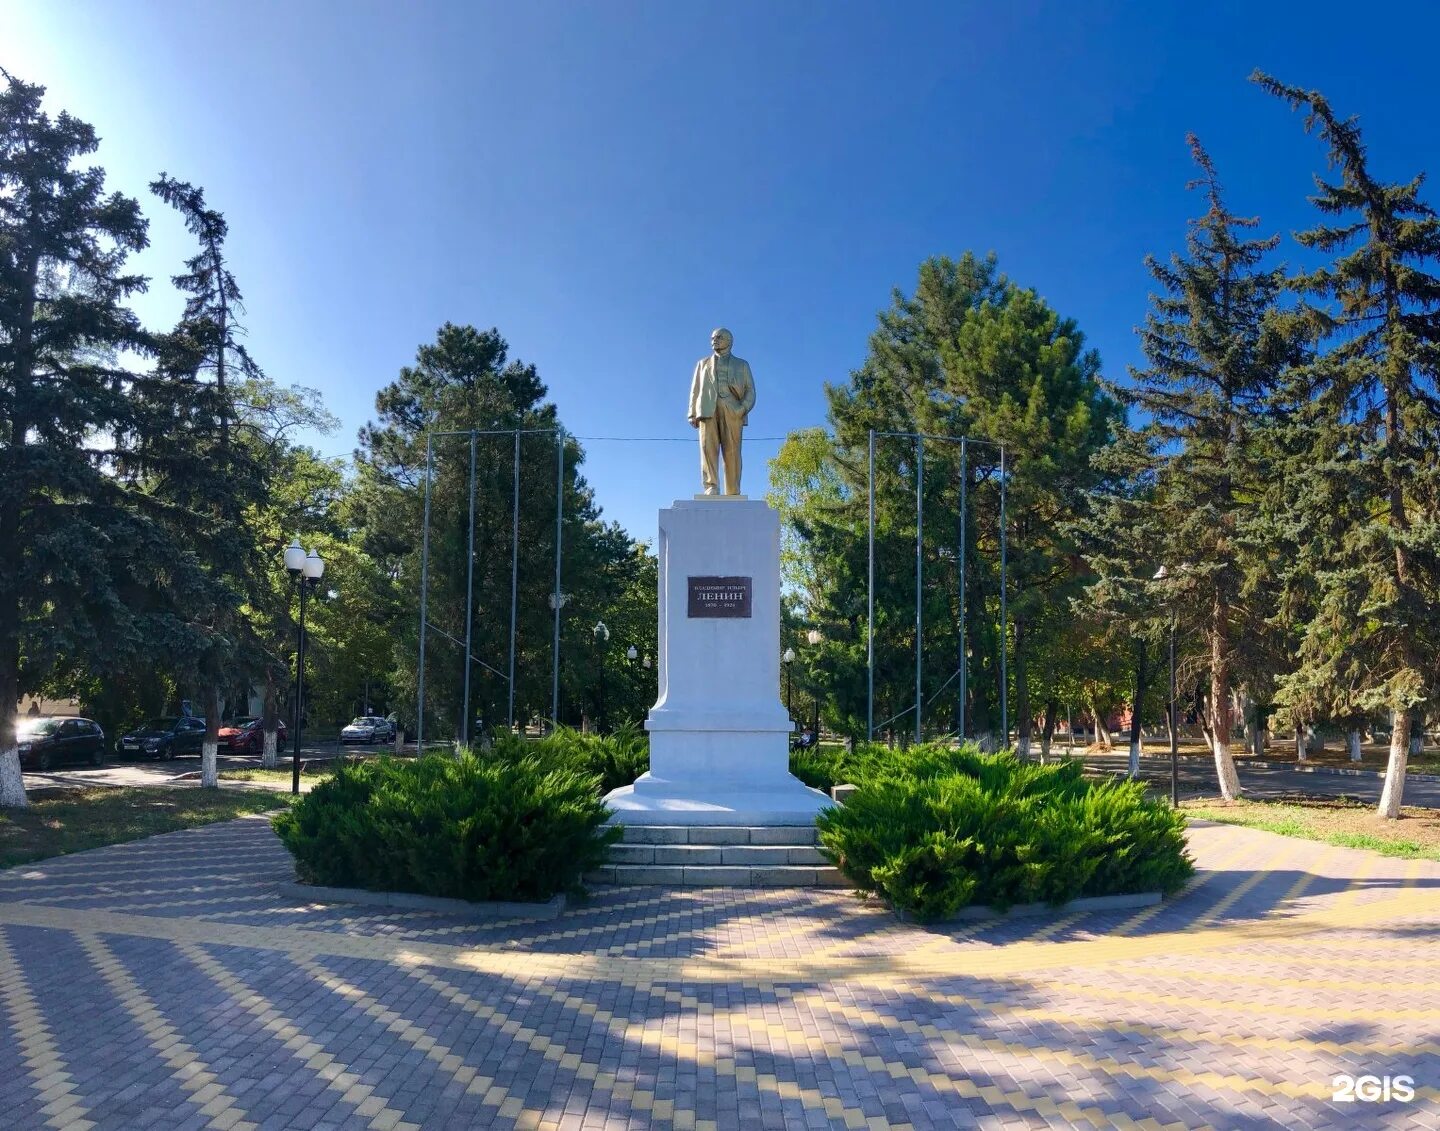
[{"x": 167, "y": 984}]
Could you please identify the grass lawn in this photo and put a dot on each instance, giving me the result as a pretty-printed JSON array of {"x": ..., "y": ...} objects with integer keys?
[
  {"x": 1350, "y": 824},
  {"x": 313, "y": 771},
  {"x": 61, "y": 821}
]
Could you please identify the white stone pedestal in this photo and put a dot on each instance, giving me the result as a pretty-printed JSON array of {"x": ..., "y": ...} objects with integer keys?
[{"x": 719, "y": 735}]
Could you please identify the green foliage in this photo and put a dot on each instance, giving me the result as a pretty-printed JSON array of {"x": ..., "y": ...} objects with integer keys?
[
  {"x": 823, "y": 768},
  {"x": 969, "y": 353},
  {"x": 1358, "y": 490},
  {"x": 934, "y": 829},
  {"x": 466, "y": 828},
  {"x": 615, "y": 759},
  {"x": 462, "y": 380}
]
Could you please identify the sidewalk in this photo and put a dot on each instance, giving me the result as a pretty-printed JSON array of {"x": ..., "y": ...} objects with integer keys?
[{"x": 166, "y": 984}]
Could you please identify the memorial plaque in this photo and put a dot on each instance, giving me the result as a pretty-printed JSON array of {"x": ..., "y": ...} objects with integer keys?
[{"x": 719, "y": 597}]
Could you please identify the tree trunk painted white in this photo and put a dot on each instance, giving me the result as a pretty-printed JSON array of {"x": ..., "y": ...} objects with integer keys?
[
  {"x": 209, "y": 770},
  {"x": 987, "y": 742},
  {"x": 1354, "y": 746},
  {"x": 1022, "y": 747},
  {"x": 399, "y": 741},
  {"x": 1137, "y": 747},
  {"x": 210, "y": 747},
  {"x": 1394, "y": 791},
  {"x": 1225, "y": 773},
  {"x": 12, "y": 784},
  {"x": 1301, "y": 746},
  {"x": 269, "y": 749}
]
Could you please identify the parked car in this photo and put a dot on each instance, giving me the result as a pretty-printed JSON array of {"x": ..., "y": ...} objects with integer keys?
[
  {"x": 246, "y": 734},
  {"x": 368, "y": 728},
  {"x": 51, "y": 739},
  {"x": 166, "y": 738}
]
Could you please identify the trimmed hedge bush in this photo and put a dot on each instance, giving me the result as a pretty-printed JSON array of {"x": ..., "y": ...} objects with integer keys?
[
  {"x": 823, "y": 768},
  {"x": 523, "y": 828},
  {"x": 934, "y": 829},
  {"x": 616, "y": 759}
]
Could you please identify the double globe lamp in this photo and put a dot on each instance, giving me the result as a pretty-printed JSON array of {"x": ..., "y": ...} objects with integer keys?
[{"x": 306, "y": 571}]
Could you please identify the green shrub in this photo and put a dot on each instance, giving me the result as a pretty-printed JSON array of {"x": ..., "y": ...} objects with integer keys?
[
  {"x": 933, "y": 829},
  {"x": 616, "y": 759},
  {"x": 468, "y": 828},
  {"x": 823, "y": 768}
]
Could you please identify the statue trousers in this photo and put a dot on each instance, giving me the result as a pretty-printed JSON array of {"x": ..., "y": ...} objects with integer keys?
[{"x": 721, "y": 434}]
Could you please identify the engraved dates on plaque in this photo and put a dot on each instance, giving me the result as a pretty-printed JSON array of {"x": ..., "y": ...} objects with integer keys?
[{"x": 719, "y": 597}]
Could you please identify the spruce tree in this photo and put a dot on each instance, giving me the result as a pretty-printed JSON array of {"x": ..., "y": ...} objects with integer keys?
[
  {"x": 463, "y": 380},
  {"x": 203, "y": 366},
  {"x": 969, "y": 353},
  {"x": 1364, "y": 423},
  {"x": 63, "y": 325},
  {"x": 1216, "y": 351}
]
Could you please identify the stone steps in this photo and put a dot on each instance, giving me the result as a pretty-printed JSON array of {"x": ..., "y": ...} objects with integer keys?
[
  {"x": 692, "y": 855},
  {"x": 718, "y": 856}
]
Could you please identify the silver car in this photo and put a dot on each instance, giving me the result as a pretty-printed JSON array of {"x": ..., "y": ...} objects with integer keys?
[{"x": 367, "y": 728}]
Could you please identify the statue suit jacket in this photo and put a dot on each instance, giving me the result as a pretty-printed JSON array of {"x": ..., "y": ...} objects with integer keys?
[{"x": 704, "y": 391}]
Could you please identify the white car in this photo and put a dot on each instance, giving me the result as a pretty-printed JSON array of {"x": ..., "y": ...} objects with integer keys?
[{"x": 367, "y": 728}]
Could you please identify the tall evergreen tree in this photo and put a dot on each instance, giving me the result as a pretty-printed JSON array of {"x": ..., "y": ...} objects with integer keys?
[
  {"x": 1364, "y": 422},
  {"x": 970, "y": 353},
  {"x": 64, "y": 525},
  {"x": 1189, "y": 477},
  {"x": 466, "y": 380},
  {"x": 201, "y": 370}
]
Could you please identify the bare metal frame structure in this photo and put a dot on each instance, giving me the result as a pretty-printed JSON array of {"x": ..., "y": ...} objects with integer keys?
[
  {"x": 557, "y": 601},
  {"x": 962, "y": 673}
]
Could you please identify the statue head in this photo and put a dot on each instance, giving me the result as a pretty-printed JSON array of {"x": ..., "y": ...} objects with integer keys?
[{"x": 721, "y": 340}]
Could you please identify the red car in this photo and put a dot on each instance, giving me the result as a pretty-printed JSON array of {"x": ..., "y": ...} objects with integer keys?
[{"x": 246, "y": 734}]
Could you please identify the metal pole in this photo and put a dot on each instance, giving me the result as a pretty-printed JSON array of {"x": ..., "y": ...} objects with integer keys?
[
  {"x": 299, "y": 696},
  {"x": 469, "y": 601},
  {"x": 514, "y": 580},
  {"x": 870, "y": 608},
  {"x": 1004, "y": 617},
  {"x": 1174, "y": 729},
  {"x": 424, "y": 593},
  {"x": 919, "y": 560},
  {"x": 559, "y": 536},
  {"x": 964, "y": 659}
]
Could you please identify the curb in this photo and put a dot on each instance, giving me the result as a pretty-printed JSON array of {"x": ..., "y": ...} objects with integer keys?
[
  {"x": 408, "y": 901},
  {"x": 1033, "y": 910},
  {"x": 1338, "y": 771}
]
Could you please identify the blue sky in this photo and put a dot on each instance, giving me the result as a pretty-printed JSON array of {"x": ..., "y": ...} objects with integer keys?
[{"x": 606, "y": 182}]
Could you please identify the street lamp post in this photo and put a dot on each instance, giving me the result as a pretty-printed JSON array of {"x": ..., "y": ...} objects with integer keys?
[
  {"x": 813, "y": 638},
  {"x": 305, "y": 571},
  {"x": 602, "y": 638},
  {"x": 787, "y": 659}
]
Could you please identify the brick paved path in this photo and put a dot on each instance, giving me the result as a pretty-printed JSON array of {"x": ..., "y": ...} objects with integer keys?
[{"x": 167, "y": 984}]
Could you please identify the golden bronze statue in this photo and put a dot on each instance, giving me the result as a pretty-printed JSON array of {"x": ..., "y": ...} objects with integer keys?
[{"x": 722, "y": 393}]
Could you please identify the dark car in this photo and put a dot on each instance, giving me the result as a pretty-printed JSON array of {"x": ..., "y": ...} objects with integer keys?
[
  {"x": 246, "y": 734},
  {"x": 164, "y": 738},
  {"x": 50, "y": 740}
]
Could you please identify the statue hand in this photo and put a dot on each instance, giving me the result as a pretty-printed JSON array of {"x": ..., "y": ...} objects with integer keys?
[{"x": 694, "y": 422}]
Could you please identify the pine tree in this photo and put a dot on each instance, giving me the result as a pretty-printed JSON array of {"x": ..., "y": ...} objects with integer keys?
[
  {"x": 1366, "y": 419},
  {"x": 970, "y": 353},
  {"x": 1191, "y": 472},
  {"x": 63, "y": 521},
  {"x": 465, "y": 379},
  {"x": 225, "y": 480}
]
